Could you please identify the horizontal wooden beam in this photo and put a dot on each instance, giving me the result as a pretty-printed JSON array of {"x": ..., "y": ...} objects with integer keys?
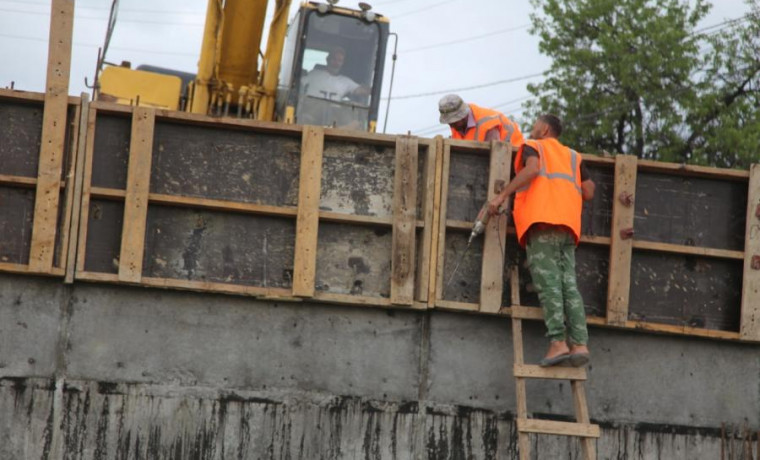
[
  {"x": 585, "y": 430},
  {"x": 558, "y": 373},
  {"x": 693, "y": 170},
  {"x": 20, "y": 181},
  {"x": 689, "y": 250},
  {"x": 24, "y": 269}
]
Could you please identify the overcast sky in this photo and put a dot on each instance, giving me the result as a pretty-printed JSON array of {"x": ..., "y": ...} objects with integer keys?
[{"x": 443, "y": 45}]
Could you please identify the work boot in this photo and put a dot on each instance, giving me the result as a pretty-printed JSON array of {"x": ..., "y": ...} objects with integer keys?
[
  {"x": 557, "y": 354},
  {"x": 579, "y": 355}
]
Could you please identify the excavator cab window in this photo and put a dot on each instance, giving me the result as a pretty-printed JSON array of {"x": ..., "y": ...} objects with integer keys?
[{"x": 335, "y": 74}]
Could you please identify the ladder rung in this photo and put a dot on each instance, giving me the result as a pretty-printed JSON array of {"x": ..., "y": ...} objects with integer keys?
[
  {"x": 585, "y": 430},
  {"x": 532, "y": 371}
]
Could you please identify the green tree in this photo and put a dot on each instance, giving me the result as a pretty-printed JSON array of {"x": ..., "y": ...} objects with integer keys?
[
  {"x": 724, "y": 123},
  {"x": 636, "y": 77}
]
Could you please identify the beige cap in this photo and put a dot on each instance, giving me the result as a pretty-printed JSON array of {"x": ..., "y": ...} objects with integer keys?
[{"x": 452, "y": 109}]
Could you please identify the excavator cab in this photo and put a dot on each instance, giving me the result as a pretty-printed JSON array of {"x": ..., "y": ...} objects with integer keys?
[{"x": 332, "y": 67}]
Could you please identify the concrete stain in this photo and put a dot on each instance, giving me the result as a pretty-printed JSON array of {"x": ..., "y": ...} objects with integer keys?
[{"x": 104, "y": 420}]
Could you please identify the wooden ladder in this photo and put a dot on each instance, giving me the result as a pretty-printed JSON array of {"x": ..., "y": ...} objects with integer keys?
[{"x": 583, "y": 428}]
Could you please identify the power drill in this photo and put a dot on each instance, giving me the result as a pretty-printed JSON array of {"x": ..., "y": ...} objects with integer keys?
[{"x": 480, "y": 223}]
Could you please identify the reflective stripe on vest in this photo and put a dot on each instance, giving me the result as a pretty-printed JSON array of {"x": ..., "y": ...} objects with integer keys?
[
  {"x": 480, "y": 122},
  {"x": 573, "y": 163}
]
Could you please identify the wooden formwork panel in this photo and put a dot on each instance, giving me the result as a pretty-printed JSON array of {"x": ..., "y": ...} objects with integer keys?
[
  {"x": 103, "y": 243},
  {"x": 21, "y": 116},
  {"x": 20, "y": 137},
  {"x": 690, "y": 211},
  {"x": 685, "y": 290},
  {"x": 225, "y": 164},
  {"x": 354, "y": 260},
  {"x": 16, "y": 220},
  {"x": 244, "y": 180},
  {"x": 220, "y": 247}
]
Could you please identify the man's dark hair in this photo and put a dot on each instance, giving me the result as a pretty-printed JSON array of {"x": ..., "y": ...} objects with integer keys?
[{"x": 554, "y": 122}]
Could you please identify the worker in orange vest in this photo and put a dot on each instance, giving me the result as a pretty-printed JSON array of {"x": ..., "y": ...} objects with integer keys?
[
  {"x": 550, "y": 185},
  {"x": 470, "y": 122}
]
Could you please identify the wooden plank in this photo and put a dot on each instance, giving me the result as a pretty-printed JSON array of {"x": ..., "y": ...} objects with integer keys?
[
  {"x": 621, "y": 250},
  {"x": 76, "y": 208},
  {"x": 26, "y": 182},
  {"x": 558, "y": 428},
  {"x": 52, "y": 148},
  {"x": 404, "y": 217},
  {"x": 17, "y": 95},
  {"x": 445, "y": 165},
  {"x": 691, "y": 250},
  {"x": 428, "y": 194},
  {"x": 76, "y": 179},
  {"x": 456, "y": 306},
  {"x": 692, "y": 170},
  {"x": 557, "y": 373},
  {"x": 307, "y": 220},
  {"x": 86, "y": 190},
  {"x": 438, "y": 227},
  {"x": 588, "y": 447},
  {"x": 749, "y": 324},
  {"x": 136, "y": 199},
  {"x": 494, "y": 244},
  {"x": 24, "y": 269}
]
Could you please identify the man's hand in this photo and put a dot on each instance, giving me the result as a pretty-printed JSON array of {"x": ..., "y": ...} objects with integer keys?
[{"x": 495, "y": 204}]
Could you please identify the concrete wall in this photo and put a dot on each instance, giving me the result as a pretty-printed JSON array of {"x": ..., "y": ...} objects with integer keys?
[{"x": 104, "y": 372}]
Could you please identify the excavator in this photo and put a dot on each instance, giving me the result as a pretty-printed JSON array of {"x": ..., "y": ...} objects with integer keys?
[{"x": 235, "y": 79}]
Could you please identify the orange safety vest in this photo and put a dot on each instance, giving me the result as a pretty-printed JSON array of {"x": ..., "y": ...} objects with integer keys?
[
  {"x": 487, "y": 119},
  {"x": 554, "y": 196}
]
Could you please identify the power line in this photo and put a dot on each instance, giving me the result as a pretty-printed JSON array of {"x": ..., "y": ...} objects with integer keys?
[
  {"x": 91, "y": 45},
  {"x": 427, "y": 8},
  {"x": 39, "y": 13},
  {"x": 465, "y": 40},
  {"x": 467, "y": 88},
  {"x": 99, "y": 8}
]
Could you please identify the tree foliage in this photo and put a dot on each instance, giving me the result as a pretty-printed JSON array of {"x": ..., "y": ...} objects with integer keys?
[{"x": 637, "y": 77}]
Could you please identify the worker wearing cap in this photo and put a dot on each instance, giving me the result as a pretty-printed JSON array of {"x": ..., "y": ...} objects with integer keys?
[
  {"x": 550, "y": 185},
  {"x": 470, "y": 122}
]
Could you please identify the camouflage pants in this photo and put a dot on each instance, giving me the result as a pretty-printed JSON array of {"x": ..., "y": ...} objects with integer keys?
[{"x": 551, "y": 259}]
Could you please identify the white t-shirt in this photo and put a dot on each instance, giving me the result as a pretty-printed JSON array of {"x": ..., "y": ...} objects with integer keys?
[{"x": 321, "y": 83}]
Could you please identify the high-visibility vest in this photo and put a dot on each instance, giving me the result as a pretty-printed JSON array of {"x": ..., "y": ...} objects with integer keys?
[
  {"x": 487, "y": 119},
  {"x": 554, "y": 196}
]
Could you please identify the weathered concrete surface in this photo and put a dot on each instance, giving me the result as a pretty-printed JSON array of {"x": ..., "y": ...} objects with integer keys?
[{"x": 153, "y": 374}]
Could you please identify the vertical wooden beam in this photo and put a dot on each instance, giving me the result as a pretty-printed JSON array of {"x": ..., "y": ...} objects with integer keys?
[
  {"x": 404, "y": 221},
  {"x": 424, "y": 262},
  {"x": 74, "y": 187},
  {"x": 52, "y": 146},
  {"x": 621, "y": 247},
  {"x": 84, "y": 217},
  {"x": 136, "y": 199},
  {"x": 519, "y": 359},
  {"x": 445, "y": 166},
  {"x": 750, "y": 316},
  {"x": 435, "y": 243},
  {"x": 494, "y": 244},
  {"x": 588, "y": 445},
  {"x": 307, "y": 220}
]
